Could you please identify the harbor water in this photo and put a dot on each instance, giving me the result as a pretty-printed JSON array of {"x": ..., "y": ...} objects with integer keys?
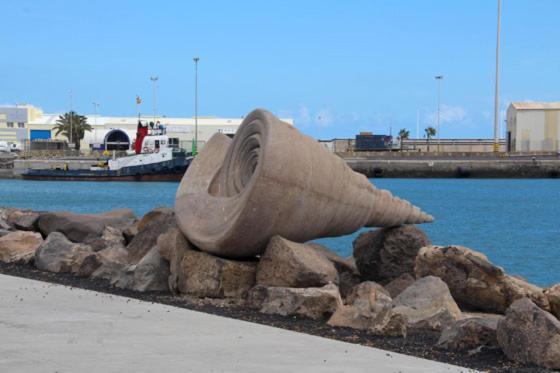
[{"x": 516, "y": 223}]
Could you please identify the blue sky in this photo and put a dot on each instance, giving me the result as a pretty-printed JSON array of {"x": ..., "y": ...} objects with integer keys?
[{"x": 336, "y": 67}]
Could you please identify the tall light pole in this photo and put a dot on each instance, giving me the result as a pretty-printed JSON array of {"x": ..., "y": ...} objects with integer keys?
[
  {"x": 95, "y": 107},
  {"x": 195, "y": 147},
  {"x": 439, "y": 78},
  {"x": 497, "y": 95},
  {"x": 71, "y": 115},
  {"x": 154, "y": 79}
]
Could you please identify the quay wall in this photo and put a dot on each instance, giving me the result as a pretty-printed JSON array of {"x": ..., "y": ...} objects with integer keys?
[{"x": 454, "y": 168}]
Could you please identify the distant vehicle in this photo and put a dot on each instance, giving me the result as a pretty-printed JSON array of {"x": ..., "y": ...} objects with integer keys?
[
  {"x": 14, "y": 147},
  {"x": 4, "y": 147},
  {"x": 366, "y": 141}
]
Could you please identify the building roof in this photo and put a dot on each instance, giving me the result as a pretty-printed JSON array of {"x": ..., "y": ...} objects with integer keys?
[
  {"x": 93, "y": 120},
  {"x": 536, "y": 105}
]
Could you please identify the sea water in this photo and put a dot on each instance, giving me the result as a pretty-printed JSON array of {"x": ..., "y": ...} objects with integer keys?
[{"x": 516, "y": 223}]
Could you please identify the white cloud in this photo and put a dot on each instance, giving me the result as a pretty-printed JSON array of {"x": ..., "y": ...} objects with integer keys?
[
  {"x": 449, "y": 115},
  {"x": 304, "y": 115}
]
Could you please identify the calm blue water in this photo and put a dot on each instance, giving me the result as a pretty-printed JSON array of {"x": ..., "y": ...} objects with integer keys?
[{"x": 516, "y": 223}]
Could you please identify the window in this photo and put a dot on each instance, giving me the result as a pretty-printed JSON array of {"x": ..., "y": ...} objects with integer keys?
[
  {"x": 21, "y": 125},
  {"x": 10, "y": 124}
]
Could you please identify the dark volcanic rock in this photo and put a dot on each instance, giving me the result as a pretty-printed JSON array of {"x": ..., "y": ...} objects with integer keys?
[
  {"x": 315, "y": 303},
  {"x": 397, "y": 286},
  {"x": 150, "y": 227},
  {"x": 205, "y": 275},
  {"x": 427, "y": 304},
  {"x": 471, "y": 334},
  {"x": 365, "y": 309},
  {"x": 474, "y": 281},
  {"x": 553, "y": 295},
  {"x": 530, "y": 335},
  {"x": 383, "y": 255},
  {"x": 173, "y": 246},
  {"x": 78, "y": 228},
  {"x": 150, "y": 274},
  {"x": 290, "y": 264},
  {"x": 348, "y": 274},
  {"x": 58, "y": 254},
  {"x": 23, "y": 220}
]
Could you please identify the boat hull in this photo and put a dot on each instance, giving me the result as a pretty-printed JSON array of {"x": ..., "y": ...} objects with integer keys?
[{"x": 172, "y": 170}]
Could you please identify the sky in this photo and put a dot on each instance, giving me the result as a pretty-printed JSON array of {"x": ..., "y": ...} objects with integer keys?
[{"x": 335, "y": 67}]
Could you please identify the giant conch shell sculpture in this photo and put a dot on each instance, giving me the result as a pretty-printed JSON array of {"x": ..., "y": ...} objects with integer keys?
[{"x": 271, "y": 179}]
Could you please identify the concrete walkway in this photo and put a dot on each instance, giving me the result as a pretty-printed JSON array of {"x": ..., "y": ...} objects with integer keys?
[{"x": 53, "y": 328}]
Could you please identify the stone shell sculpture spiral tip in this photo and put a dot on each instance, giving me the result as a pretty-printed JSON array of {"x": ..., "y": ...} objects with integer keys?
[{"x": 273, "y": 180}]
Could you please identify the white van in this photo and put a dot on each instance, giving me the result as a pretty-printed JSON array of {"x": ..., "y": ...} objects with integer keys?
[{"x": 4, "y": 147}]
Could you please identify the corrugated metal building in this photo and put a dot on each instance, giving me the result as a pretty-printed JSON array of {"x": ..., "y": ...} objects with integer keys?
[{"x": 533, "y": 127}]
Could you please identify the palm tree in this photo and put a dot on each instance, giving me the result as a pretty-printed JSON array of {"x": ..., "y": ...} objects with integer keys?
[
  {"x": 404, "y": 134},
  {"x": 430, "y": 132},
  {"x": 72, "y": 122}
]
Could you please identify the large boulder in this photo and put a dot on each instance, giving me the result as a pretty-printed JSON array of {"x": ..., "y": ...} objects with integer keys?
[
  {"x": 474, "y": 281},
  {"x": 427, "y": 305},
  {"x": 385, "y": 254},
  {"x": 290, "y": 264},
  {"x": 529, "y": 334},
  {"x": 348, "y": 274},
  {"x": 397, "y": 286},
  {"x": 366, "y": 306},
  {"x": 204, "y": 275},
  {"x": 150, "y": 274},
  {"x": 109, "y": 252},
  {"x": 150, "y": 227},
  {"x": 173, "y": 246},
  {"x": 58, "y": 254},
  {"x": 553, "y": 296},
  {"x": 315, "y": 303},
  {"x": 19, "y": 246},
  {"x": 79, "y": 228},
  {"x": 23, "y": 220},
  {"x": 110, "y": 237},
  {"x": 471, "y": 334}
]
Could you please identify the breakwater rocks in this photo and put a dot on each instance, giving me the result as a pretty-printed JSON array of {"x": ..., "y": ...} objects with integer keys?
[{"x": 398, "y": 285}]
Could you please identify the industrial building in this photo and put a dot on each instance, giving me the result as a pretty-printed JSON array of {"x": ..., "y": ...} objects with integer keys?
[
  {"x": 533, "y": 127},
  {"x": 22, "y": 123},
  {"x": 342, "y": 146}
]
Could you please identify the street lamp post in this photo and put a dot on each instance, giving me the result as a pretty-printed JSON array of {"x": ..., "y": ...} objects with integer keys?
[
  {"x": 195, "y": 147},
  {"x": 95, "y": 107},
  {"x": 154, "y": 79},
  {"x": 70, "y": 116},
  {"x": 497, "y": 95},
  {"x": 439, "y": 78}
]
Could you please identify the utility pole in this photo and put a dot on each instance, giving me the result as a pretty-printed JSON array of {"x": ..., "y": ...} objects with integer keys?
[
  {"x": 439, "y": 78},
  {"x": 70, "y": 117},
  {"x": 95, "y": 107},
  {"x": 154, "y": 79},
  {"x": 195, "y": 145},
  {"x": 497, "y": 95}
]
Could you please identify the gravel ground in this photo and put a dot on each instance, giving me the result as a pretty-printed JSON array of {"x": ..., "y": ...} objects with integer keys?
[{"x": 419, "y": 345}]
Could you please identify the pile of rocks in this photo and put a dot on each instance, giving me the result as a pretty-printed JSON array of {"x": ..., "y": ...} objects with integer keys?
[{"x": 395, "y": 284}]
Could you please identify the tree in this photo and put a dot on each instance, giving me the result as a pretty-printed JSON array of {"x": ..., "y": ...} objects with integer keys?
[
  {"x": 72, "y": 122},
  {"x": 430, "y": 132},
  {"x": 404, "y": 134}
]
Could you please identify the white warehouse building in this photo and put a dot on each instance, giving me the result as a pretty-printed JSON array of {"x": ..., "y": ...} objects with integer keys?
[
  {"x": 533, "y": 127},
  {"x": 110, "y": 132}
]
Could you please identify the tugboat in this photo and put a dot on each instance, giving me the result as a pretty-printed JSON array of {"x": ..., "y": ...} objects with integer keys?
[{"x": 155, "y": 157}]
